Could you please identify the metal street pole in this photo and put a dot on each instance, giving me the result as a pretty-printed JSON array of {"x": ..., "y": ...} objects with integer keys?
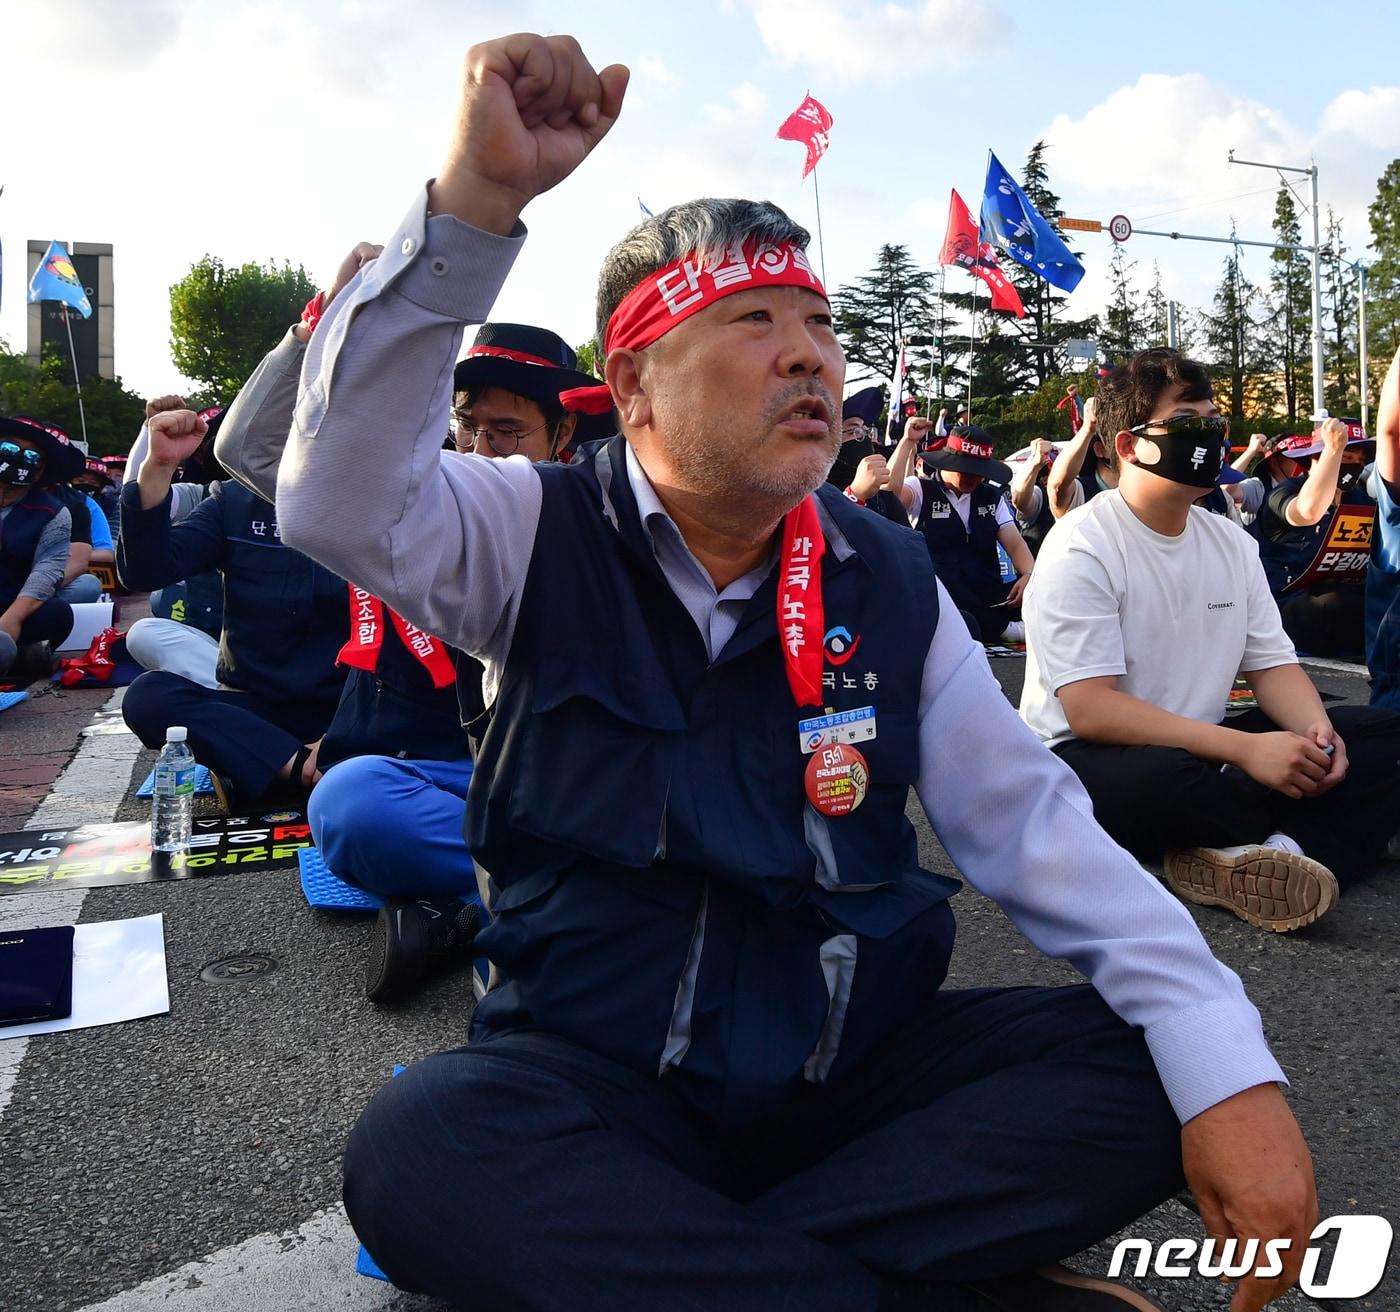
[
  {"x": 1364, "y": 385},
  {"x": 1173, "y": 327},
  {"x": 1319, "y": 408}
]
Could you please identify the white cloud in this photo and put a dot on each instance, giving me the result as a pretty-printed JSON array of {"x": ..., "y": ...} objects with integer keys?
[
  {"x": 854, "y": 39},
  {"x": 652, "y": 68},
  {"x": 744, "y": 108},
  {"x": 63, "y": 33}
]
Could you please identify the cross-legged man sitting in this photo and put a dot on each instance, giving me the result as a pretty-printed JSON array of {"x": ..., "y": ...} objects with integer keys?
[
  {"x": 1142, "y": 609},
  {"x": 717, "y": 1068}
]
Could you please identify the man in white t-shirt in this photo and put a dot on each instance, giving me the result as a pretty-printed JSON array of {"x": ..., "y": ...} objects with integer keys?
[{"x": 1141, "y": 611}]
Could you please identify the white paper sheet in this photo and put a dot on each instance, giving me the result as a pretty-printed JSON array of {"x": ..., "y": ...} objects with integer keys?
[{"x": 118, "y": 974}]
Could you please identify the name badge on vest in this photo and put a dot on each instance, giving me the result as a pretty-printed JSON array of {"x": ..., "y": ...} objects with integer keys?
[
  {"x": 820, "y": 731},
  {"x": 940, "y": 510}
]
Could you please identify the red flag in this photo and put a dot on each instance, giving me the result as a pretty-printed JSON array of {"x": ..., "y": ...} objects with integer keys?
[
  {"x": 962, "y": 245},
  {"x": 810, "y": 123}
]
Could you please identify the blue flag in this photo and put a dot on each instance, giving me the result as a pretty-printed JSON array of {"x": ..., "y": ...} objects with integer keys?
[
  {"x": 643, "y": 208},
  {"x": 1012, "y": 222},
  {"x": 57, "y": 280}
]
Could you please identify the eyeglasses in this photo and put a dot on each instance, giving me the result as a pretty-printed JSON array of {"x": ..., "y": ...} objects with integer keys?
[
  {"x": 1177, "y": 424},
  {"x": 503, "y": 441},
  {"x": 26, "y": 454}
]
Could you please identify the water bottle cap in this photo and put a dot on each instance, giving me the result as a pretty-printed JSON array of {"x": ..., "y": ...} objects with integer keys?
[{"x": 177, "y": 733}]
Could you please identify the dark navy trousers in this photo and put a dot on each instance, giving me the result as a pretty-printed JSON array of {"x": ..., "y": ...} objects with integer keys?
[
  {"x": 1011, "y": 1128},
  {"x": 239, "y": 735}
]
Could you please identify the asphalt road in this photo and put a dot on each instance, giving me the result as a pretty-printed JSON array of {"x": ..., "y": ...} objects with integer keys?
[{"x": 191, "y": 1161}]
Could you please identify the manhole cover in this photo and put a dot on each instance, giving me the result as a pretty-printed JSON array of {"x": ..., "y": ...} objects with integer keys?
[{"x": 240, "y": 969}]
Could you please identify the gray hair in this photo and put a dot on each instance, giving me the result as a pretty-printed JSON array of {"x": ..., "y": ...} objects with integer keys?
[{"x": 707, "y": 228}]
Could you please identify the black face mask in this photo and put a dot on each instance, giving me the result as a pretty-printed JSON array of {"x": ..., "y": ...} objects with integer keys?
[
  {"x": 1191, "y": 449},
  {"x": 847, "y": 461},
  {"x": 17, "y": 466},
  {"x": 1350, "y": 476}
]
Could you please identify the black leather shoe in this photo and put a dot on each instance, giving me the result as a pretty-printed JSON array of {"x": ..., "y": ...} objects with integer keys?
[
  {"x": 34, "y": 660},
  {"x": 1058, "y": 1289}
]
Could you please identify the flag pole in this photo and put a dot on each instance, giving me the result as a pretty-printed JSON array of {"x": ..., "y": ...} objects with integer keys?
[
  {"x": 942, "y": 380},
  {"x": 77, "y": 383},
  {"x": 821, "y": 245},
  {"x": 971, "y": 352}
]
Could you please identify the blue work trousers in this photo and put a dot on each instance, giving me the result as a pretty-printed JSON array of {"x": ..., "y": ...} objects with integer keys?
[
  {"x": 1009, "y": 1128},
  {"x": 394, "y": 828}
]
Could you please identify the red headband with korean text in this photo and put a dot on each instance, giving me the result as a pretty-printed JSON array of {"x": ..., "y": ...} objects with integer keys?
[{"x": 671, "y": 295}]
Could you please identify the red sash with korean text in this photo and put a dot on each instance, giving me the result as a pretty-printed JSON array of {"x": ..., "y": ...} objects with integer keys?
[
  {"x": 366, "y": 641},
  {"x": 801, "y": 618}
]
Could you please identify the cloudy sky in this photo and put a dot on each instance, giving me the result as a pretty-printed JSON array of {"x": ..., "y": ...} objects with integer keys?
[{"x": 260, "y": 130}]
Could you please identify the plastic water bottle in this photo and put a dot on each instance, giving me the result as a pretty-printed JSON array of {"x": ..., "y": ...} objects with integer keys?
[{"x": 172, "y": 800}]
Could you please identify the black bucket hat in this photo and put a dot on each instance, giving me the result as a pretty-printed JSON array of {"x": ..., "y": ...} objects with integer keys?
[
  {"x": 531, "y": 362},
  {"x": 968, "y": 450},
  {"x": 62, "y": 460}
]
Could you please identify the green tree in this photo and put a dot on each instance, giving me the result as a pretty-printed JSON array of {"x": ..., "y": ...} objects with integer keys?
[
  {"x": 224, "y": 320},
  {"x": 1123, "y": 319},
  {"x": 1231, "y": 334},
  {"x": 114, "y": 415},
  {"x": 1154, "y": 311},
  {"x": 1339, "y": 344},
  {"x": 1383, "y": 279},
  {"x": 1290, "y": 317},
  {"x": 587, "y": 357},
  {"x": 891, "y": 304}
]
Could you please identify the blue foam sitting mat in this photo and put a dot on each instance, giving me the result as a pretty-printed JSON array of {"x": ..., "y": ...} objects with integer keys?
[
  {"x": 365, "y": 1265},
  {"x": 203, "y": 784},
  {"x": 8, "y": 699},
  {"x": 324, "y": 890}
]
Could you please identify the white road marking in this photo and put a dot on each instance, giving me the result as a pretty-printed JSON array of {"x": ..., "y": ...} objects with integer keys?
[
  {"x": 1341, "y": 667},
  {"x": 82, "y": 794},
  {"x": 310, "y": 1267}
]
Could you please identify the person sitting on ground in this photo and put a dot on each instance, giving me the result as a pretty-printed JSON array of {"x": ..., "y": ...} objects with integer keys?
[
  {"x": 285, "y": 620},
  {"x": 942, "y": 428},
  {"x": 97, "y": 483},
  {"x": 1383, "y": 576},
  {"x": 1142, "y": 610},
  {"x": 181, "y": 635},
  {"x": 860, "y": 471},
  {"x": 1083, "y": 468},
  {"x": 1263, "y": 475},
  {"x": 717, "y": 1065},
  {"x": 960, "y": 508},
  {"x": 1034, "y": 518},
  {"x": 34, "y": 545},
  {"x": 396, "y": 734},
  {"x": 1323, "y": 615}
]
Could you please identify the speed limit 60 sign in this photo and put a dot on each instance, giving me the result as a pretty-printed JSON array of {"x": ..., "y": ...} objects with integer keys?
[{"x": 1119, "y": 228}]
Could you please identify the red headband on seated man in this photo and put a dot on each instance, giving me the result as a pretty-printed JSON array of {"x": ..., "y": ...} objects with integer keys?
[{"x": 671, "y": 295}]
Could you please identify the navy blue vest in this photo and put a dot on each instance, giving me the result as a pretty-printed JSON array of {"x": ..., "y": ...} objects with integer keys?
[
  {"x": 964, "y": 556},
  {"x": 19, "y": 539},
  {"x": 663, "y": 894},
  {"x": 394, "y": 710}
]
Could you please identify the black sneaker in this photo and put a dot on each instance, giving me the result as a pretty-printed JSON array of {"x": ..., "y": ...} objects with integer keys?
[
  {"x": 1058, "y": 1289},
  {"x": 33, "y": 660},
  {"x": 416, "y": 940}
]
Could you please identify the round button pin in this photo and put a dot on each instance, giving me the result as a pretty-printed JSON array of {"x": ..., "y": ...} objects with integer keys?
[{"x": 836, "y": 780}]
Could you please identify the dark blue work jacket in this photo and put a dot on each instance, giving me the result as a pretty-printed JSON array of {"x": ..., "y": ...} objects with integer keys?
[
  {"x": 394, "y": 710},
  {"x": 663, "y": 893},
  {"x": 964, "y": 555},
  {"x": 19, "y": 539},
  {"x": 285, "y": 616}
]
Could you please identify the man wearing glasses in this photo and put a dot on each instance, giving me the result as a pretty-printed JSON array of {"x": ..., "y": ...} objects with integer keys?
[
  {"x": 1141, "y": 610},
  {"x": 506, "y": 395}
]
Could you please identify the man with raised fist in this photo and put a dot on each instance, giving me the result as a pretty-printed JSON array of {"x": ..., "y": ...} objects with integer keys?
[
  {"x": 285, "y": 618},
  {"x": 716, "y": 1068}
]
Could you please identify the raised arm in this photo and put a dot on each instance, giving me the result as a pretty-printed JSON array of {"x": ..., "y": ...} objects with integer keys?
[
  {"x": 902, "y": 464},
  {"x": 363, "y": 487},
  {"x": 1314, "y": 498},
  {"x": 1059, "y": 487},
  {"x": 1388, "y": 427},
  {"x": 1023, "y": 483}
]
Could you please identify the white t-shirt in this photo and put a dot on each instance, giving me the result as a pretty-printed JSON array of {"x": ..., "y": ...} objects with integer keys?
[
  {"x": 1174, "y": 618},
  {"x": 962, "y": 503}
]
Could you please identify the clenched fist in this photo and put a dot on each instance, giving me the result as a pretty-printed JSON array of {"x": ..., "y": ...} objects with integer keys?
[
  {"x": 531, "y": 109},
  {"x": 872, "y": 474},
  {"x": 158, "y": 405}
]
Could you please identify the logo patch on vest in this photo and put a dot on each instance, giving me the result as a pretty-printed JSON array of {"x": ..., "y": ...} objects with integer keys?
[{"x": 839, "y": 646}]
